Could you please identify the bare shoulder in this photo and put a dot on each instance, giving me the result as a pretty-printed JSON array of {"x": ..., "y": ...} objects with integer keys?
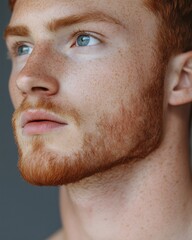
[{"x": 57, "y": 235}]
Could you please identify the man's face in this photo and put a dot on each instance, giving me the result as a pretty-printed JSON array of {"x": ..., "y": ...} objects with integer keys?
[{"x": 86, "y": 84}]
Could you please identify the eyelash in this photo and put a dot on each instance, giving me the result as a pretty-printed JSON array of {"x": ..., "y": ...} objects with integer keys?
[{"x": 75, "y": 34}]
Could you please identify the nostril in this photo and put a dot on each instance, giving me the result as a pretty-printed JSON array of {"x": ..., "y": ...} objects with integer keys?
[{"x": 35, "y": 89}]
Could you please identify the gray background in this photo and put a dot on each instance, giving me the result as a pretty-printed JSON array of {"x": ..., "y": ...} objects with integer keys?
[{"x": 26, "y": 212}]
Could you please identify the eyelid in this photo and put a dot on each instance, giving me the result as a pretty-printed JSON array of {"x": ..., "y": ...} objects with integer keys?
[{"x": 81, "y": 32}]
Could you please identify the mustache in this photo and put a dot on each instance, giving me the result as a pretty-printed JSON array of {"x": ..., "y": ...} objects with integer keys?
[{"x": 49, "y": 106}]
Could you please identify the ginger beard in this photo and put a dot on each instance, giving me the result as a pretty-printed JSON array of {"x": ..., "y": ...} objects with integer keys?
[{"x": 129, "y": 134}]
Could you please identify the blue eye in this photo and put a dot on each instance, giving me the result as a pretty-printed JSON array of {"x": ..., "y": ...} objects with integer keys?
[
  {"x": 86, "y": 40},
  {"x": 24, "y": 50}
]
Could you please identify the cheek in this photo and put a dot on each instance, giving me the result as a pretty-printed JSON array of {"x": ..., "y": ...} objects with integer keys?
[
  {"x": 99, "y": 85},
  {"x": 16, "y": 98}
]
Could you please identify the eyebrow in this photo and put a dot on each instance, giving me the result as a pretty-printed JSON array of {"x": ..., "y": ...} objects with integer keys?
[
  {"x": 98, "y": 16},
  {"x": 56, "y": 24},
  {"x": 21, "y": 31}
]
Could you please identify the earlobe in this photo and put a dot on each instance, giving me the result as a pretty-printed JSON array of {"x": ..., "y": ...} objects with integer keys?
[{"x": 181, "y": 92}]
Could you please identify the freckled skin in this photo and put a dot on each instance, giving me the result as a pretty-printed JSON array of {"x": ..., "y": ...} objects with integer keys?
[
  {"x": 104, "y": 94},
  {"x": 122, "y": 173}
]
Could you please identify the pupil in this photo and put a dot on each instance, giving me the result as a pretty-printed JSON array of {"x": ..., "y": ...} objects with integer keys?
[{"x": 83, "y": 40}]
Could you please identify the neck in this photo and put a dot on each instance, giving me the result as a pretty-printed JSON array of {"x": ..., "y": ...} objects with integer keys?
[{"x": 150, "y": 199}]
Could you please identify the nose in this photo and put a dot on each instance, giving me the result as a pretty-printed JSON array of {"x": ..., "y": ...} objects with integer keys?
[
  {"x": 36, "y": 78},
  {"x": 37, "y": 84}
]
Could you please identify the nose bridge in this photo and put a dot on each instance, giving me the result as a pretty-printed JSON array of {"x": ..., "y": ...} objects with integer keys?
[
  {"x": 37, "y": 75},
  {"x": 39, "y": 60}
]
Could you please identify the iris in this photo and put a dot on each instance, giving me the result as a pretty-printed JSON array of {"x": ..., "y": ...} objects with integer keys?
[
  {"x": 86, "y": 40},
  {"x": 23, "y": 50}
]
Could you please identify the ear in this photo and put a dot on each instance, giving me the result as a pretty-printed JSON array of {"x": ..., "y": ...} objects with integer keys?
[{"x": 180, "y": 77}]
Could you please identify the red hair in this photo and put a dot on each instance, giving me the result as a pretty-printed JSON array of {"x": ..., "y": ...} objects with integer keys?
[
  {"x": 11, "y": 4},
  {"x": 175, "y": 30}
]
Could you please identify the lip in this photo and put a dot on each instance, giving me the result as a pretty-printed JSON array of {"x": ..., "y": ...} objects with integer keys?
[{"x": 36, "y": 122}]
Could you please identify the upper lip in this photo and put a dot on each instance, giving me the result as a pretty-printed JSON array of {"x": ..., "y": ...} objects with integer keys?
[{"x": 39, "y": 115}]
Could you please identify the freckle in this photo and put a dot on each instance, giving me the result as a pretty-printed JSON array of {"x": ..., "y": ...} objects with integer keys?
[
  {"x": 177, "y": 181},
  {"x": 184, "y": 205}
]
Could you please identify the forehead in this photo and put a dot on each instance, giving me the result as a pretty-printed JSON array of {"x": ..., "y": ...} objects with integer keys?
[{"x": 122, "y": 9}]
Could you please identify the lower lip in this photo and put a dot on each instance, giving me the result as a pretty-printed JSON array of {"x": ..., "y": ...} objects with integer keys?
[{"x": 42, "y": 127}]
